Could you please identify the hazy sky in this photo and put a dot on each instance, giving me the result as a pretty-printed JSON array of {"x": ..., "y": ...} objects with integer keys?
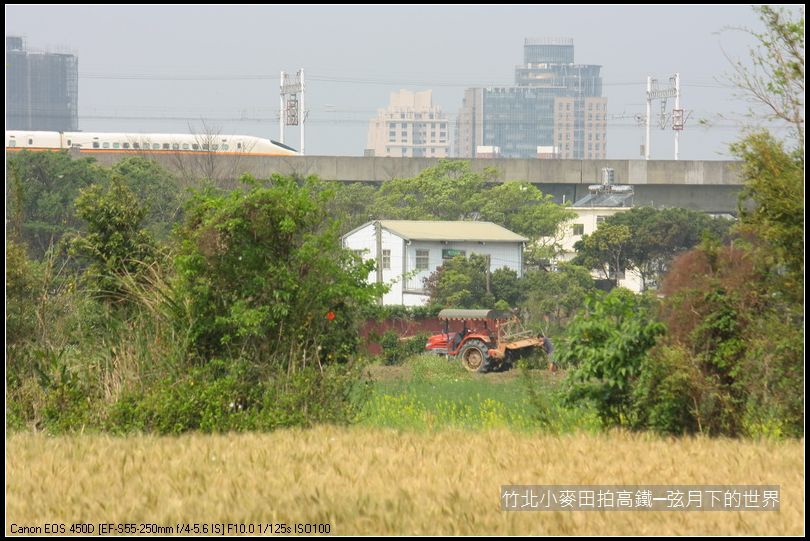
[{"x": 155, "y": 68}]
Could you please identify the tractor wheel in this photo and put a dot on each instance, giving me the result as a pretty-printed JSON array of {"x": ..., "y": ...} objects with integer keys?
[{"x": 474, "y": 356}]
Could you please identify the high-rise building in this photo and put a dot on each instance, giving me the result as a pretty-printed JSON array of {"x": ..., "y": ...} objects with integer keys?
[
  {"x": 411, "y": 126},
  {"x": 42, "y": 89},
  {"x": 554, "y": 103}
]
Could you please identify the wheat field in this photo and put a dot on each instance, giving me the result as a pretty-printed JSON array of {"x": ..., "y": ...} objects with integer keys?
[{"x": 376, "y": 481}]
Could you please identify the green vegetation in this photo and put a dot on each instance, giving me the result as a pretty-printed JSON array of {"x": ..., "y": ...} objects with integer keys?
[
  {"x": 114, "y": 245},
  {"x": 429, "y": 392},
  {"x": 133, "y": 306},
  {"x": 605, "y": 347},
  {"x": 647, "y": 239},
  {"x": 245, "y": 319}
]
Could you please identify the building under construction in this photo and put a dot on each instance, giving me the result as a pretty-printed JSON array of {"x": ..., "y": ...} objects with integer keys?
[{"x": 42, "y": 89}]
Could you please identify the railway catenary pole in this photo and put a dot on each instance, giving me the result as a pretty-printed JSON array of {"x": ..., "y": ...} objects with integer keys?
[
  {"x": 281, "y": 111},
  {"x": 303, "y": 113}
]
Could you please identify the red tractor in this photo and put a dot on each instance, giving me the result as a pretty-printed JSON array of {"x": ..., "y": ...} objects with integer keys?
[{"x": 488, "y": 339}]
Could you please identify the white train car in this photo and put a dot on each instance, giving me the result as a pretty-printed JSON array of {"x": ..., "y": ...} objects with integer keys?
[{"x": 98, "y": 142}]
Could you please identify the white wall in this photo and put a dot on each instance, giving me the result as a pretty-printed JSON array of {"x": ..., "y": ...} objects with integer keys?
[
  {"x": 587, "y": 216},
  {"x": 364, "y": 239},
  {"x": 502, "y": 254}
]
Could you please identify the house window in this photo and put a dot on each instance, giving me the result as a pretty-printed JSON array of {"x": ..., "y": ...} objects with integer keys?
[
  {"x": 422, "y": 259},
  {"x": 600, "y": 219},
  {"x": 579, "y": 230},
  {"x": 386, "y": 259}
]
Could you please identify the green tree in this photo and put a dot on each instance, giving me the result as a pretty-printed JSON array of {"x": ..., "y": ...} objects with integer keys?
[
  {"x": 506, "y": 286},
  {"x": 772, "y": 207},
  {"x": 351, "y": 204},
  {"x": 657, "y": 236},
  {"x": 267, "y": 278},
  {"x": 735, "y": 314},
  {"x": 556, "y": 296},
  {"x": 606, "y": 345},
  {"x": 524, "y": 209},
  {"x": 23, "y": 292},
  {"x": 444, "y": 192},
  {"x": 461, "y": 282},
  {"x": 114, "y": 244},
  {"x": 776, "y": 78},
  {"x": 42, "y": 188},
  {"x": 742, "y": 346},
  {"x": 605, "y": 249},
  {"x": 156, "y": 189}
]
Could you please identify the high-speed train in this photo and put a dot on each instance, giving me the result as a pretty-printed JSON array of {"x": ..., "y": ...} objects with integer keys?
[{"x": 140, "y": 143}]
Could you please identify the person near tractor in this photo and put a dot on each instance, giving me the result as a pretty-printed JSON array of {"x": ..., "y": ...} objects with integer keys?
[
  {"x": 548, "y": 347},
  {"x": 460, "y": 336}
]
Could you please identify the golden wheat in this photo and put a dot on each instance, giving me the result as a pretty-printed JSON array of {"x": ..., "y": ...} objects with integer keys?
[{"x": 364, "y": 481}]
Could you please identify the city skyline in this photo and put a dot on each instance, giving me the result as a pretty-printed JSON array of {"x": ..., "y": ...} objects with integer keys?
[{"x": 168, "y": 69}]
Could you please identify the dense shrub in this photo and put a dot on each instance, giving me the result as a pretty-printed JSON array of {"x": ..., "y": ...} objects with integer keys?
[{"x": 605, "y": 347}]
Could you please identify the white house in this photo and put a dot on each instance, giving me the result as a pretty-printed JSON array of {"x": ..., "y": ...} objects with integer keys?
[
  {"x": 603, "y": 201},
  {"x": 586, "y": 222},
  {"x": 410, "y": 251}
]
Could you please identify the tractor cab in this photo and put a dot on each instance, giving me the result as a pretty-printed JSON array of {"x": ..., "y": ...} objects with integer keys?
[{"x": 482, "y": 339}]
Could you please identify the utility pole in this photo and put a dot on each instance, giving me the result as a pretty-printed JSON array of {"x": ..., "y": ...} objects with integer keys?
[
  {"x": 676, "y": 119},
  {"x": 489, "y": 274},
  {"x": 303, "y": 111},
  {"x": 292, "y": 112},
  {"x": 281, "y": 109},
  {"x": 647, "y": 138},
  {"x": 677, "y": 113}
]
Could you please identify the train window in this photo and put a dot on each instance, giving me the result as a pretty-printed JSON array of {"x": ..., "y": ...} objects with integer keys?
[
  {"x": 165, "y": 146},
  {"x": 239, "y": 145},
  {"x": 126, "y": 145},
  {"x": 195, "y": 146},
  {"x": 69, "y": 143},
  {"x": 175, "y": 146},
  {"x": 155, "y": 146},
  {"x": 105, "y": 145},
  {"x": 116, "y": 145},
  {"x": 30, "y": 141},
  {"x": 224, "y": 147},
  {"x": 12, "y": 143},
  {"x": 214, "y": 147},
  {"x": 95, "y": 144},
  {"x": 136, "y": 145},
  {"x": 185, "y": 146},
  {"x": 205, "y": 146}
]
